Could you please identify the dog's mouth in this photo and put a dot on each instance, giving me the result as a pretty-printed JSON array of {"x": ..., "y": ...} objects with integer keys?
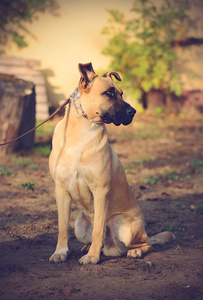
[
  {"x": 126, "y": 122},
  {"x": 106, "y": 119},
  {"x": 124, "y": 117}
]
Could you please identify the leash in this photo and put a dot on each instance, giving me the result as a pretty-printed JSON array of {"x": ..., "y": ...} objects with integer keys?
[{"x": 51, "y": 116}]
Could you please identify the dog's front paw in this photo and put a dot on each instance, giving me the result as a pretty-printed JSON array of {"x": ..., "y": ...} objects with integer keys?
[
  {"x": 86, "y": 259},
  {"x": 59, "y": 256},
  {"x": 134, "y": 253}
]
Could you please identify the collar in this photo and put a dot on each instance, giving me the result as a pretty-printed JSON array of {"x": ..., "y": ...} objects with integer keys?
[{"x": 75, "y": 98}]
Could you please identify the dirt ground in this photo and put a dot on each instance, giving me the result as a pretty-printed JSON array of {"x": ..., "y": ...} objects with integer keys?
[{"x": 163, "y": 160}]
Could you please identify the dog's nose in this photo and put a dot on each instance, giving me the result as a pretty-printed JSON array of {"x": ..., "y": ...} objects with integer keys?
[{"x": 131, "y": 111}]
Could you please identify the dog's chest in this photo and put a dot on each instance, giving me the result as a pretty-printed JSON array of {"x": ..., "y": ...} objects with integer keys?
[
  {"x": 74, "y": 180},
  {"x": 78, "y": 182},
  {"x": 78, "y": 167},
  {"x": 77, "y": 176}
]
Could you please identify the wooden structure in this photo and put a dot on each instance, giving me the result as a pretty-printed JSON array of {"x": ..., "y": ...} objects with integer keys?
[
  {"x": 27, "y": 70},
  {"x": 17, "y": 104}
]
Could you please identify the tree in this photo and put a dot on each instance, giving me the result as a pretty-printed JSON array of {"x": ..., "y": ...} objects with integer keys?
[
  {"x": 14, "y": 14},
  {"x": 141, "y": 47}
]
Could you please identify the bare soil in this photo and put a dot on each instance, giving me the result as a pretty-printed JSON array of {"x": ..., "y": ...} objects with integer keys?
[{"x": 163, "y": 160}]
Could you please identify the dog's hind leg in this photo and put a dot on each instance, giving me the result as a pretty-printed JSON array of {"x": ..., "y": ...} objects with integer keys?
[
  {"x": 83, "y": 231},
  {"x": 130, "y": 231},
  {"x": 112, "y": 245}
]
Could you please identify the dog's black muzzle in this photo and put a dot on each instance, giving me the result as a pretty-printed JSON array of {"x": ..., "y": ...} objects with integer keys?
[{"x": 119, "y": 114}]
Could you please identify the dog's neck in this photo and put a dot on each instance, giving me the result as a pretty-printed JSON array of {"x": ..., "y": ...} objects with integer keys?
[
  {"x": 75, "y": 99},
  {"x": 76, "y": 119},
  {"x": 84, "y": 129}
]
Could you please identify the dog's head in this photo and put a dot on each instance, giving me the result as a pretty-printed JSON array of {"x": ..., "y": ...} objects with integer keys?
[{"x": 102, "y": 99}]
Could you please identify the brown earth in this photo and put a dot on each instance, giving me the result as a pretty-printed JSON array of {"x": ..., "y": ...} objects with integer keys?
[{"x": 163, "y": 160}]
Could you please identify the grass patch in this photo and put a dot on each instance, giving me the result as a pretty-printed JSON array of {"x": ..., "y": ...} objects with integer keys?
[
  {"x": 178, "y": 247},
  {"x": 170, "y": 227},
  {"x": 173, "y": 176},
  {"x": 28, "y": 185},
  {"x": 24, "y": 162},
  {"x": 128, "y": 168},
  {"x": 141, "y": 135},
  {"x": 197, "y": 164},
  {"x": 152, "y": 179},
  {"x": 43, "y": 150},
  {"x": 144, "y": 160},
  {"x": 21, "y": 161},
  {"x": 8, "y": 172}
]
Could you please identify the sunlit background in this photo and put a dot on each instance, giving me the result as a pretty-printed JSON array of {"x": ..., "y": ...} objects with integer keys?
[{"x": 74, "y": 37}]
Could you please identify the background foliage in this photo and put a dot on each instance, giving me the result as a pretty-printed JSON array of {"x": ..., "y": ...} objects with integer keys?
[
  {"x": 141, "y": 46},
  {"x": 14, "y": 14}
]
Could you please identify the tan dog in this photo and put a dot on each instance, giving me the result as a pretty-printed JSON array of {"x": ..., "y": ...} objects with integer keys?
[{"x": 86, "y": 169}]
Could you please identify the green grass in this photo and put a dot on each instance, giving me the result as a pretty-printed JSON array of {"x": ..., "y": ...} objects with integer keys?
[
  {"x": 24, "y": 162},
  {"x": 28, "y": 185},
  {"x": 43, "y": 150},
  {"x": 8, "y": 172},
  {"x": 129, "y": 167},
  {"x": 178, "y": 247},
  {"x": 170, "y": 227},
  {"x": 21, "y": 161},
  {"x": 144, "y": 160},
  {"x": 152, "y": 179},
  {"x": 197, "y": 164},
  {"x": 173, "y": 176},
  {"x": 141, "y": 135}
]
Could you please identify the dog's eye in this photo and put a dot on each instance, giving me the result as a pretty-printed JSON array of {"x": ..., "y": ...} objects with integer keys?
[{"x": 110, "y": 94}]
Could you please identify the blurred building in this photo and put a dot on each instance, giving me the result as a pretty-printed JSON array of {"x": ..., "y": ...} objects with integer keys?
[{"x": 27, "y": 69}]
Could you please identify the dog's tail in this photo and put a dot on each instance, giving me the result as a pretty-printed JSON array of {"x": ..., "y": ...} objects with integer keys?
[{"x": 162, "y": 238}]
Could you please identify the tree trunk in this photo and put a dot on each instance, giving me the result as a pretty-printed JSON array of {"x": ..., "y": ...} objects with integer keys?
[
  {"x": 144, "y": 100},
  {"x": 17, "y": 105}
]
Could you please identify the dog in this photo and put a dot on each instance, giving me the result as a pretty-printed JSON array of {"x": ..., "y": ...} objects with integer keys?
[{"x": 86, "y": 169}]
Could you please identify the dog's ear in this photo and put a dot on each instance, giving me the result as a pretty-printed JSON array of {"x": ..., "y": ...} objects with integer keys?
[
  {"x": 87, "y": 75},
  {"x": 115, "y": 74}
]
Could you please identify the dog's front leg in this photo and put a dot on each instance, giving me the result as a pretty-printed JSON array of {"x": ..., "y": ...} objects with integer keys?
[
  {"x": 63, "y": 201},
  {"x": 100, "y": 210}
]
